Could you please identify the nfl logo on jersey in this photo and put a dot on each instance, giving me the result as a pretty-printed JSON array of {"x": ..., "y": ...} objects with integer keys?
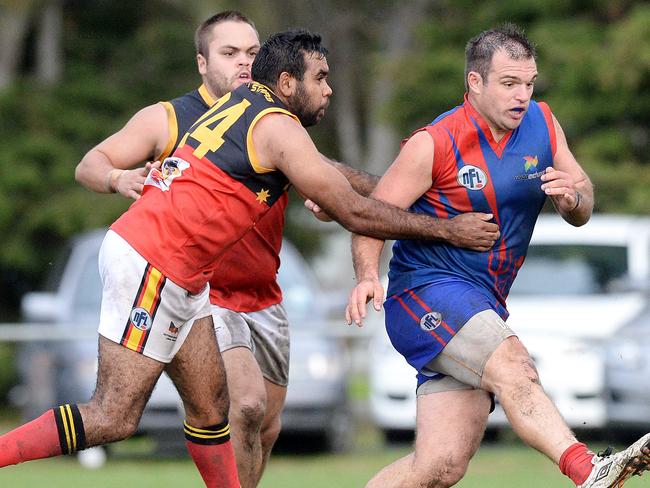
[{"x": 471, "y": 177}]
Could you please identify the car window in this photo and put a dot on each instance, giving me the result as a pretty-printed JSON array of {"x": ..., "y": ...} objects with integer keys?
[
  {"x": 571, "y": 270},
  {"x": 56, "y": 268},
  {"x": 88, "y": 295}
]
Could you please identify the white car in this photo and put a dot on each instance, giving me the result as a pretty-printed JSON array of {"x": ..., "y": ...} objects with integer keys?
[{"x": 578, "y": 286}]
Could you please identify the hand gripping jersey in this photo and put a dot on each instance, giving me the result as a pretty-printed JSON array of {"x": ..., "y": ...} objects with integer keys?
[
  {"x": 234, "y": 286},
  {"x": 213, "y": 191},
  {"x": 471, "y": 172}
]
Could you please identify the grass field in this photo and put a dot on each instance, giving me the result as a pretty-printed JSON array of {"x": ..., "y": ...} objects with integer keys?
[{"x": 500, "y": 465}]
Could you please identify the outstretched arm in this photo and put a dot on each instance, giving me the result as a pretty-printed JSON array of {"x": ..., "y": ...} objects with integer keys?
[
  {"x": 363, "y": 182},
  {"x": 296, "y": 156},
  {"x": 567, "y": 184},
  {"x": 107, "y": 168}
]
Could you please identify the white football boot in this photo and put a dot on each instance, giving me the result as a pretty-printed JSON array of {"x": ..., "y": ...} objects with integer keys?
[{"x": 613, "y": 470}]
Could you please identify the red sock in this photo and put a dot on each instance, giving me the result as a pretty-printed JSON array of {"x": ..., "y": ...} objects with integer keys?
[
  {"x": 212, "y": 452},
  {"x": 57, "y": 431},
  {"x": 575, "y": 463}
]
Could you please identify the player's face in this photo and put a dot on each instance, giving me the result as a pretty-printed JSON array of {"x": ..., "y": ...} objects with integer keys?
[
  {"x": 312, "y": 94},
  {"x": 504, "y": 98},
  {"x": 232, "y": 48}
]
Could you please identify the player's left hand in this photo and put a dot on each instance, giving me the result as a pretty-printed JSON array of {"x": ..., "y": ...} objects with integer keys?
[
  {"x": 130, "y": 182},
  {"x": 561, "y": 188},
  {"x": 360, "y": 295},
  {"x": 318, "y": 212}
]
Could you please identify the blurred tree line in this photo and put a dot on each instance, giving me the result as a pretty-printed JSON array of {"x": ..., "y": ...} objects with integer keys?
[{"x": 73, "y": 71}]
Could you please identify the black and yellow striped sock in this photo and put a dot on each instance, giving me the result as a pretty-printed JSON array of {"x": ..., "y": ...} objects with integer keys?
[
  {"x": 212, "y": 435},
  {"x": 71, "y": 428}
]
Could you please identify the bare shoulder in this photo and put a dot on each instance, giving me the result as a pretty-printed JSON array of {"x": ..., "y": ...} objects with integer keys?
[
  {"x": 142, "y": 138},
  {"x": 151, "y": 115},
  {"x": 410, "y": 174},
  {"x": 275, "y": 123}
]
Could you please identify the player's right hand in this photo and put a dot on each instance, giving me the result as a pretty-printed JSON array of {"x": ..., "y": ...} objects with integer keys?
[
  {"x": 360, "y": 295},
  {"x": 473, "y": 231},
  {"x": 130, "y": 182},
  {"x": 318, "y": 212}
]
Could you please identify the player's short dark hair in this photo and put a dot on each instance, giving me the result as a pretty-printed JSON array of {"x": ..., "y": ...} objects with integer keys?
[
  {"x": 481, "y": 48},
  {"x": 202, "y": 34},
  {"x": 285, "y": 51}
]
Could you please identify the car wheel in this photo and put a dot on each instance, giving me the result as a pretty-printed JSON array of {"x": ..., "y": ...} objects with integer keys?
[
  {"x": 398, "y": 436},
  {"x": 169, "y": 443}
]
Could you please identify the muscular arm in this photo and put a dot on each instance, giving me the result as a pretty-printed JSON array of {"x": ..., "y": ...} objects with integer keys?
[
  {"x": 106, "y": 168},
  {"x": 296, "y": 156},
  {"x": 567, "y": 184},
  {"x": 362, "y": 182}
]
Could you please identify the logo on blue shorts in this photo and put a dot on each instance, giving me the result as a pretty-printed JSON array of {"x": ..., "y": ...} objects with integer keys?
[{"x": 430, "y": 321}]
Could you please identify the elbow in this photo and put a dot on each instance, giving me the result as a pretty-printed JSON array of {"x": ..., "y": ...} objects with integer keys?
[
  {"x": 349, "y": 220},
  {"x": 579, "y": 222}
]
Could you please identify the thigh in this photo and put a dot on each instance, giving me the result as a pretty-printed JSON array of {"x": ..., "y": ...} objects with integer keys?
[
  {"x": 270, "y": 334},
  {"x": 509, "y": 364},
  {"x": 466, "y": 355},
  {"x": 120, "y": 392},
  {"x": 197, "y": 371},
  {"x": 265, "y": 333},
  {"x": 450, "y": 426},
  {"x": 245, "y": 381},
  {"x": 275, "y": 397}
]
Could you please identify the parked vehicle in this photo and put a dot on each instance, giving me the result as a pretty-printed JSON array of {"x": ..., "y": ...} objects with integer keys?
[
  {"x": 627, "y": 374},
  {"x": 576, "y": 289},
  {"x": 64, "y": 371}
]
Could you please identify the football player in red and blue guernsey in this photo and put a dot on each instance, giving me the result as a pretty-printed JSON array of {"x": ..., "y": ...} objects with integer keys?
[{"x": 502, "y": 154}]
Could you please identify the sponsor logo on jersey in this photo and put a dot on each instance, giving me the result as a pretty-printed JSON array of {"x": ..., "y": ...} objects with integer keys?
[
  {"x": 472, "y": 177},
  {"x": 140, "y": 318},
  {"x": 530, "y": 164},
  {"x": 170, "y": 169},
  {"x": 173, "y": 329},
  {"x": 430, "y": 321},
  {"x": 258, "y": 88}
]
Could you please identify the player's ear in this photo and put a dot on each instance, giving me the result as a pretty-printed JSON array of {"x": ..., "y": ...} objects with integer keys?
[
  {"x": 202, "y": 64},
  {"x": 474, "y": 82},
  {"x": 286, "y": 84}
]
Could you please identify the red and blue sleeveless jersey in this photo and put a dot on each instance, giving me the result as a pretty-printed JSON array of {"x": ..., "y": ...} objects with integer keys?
[
  {"x": 471, "y": 172},
  {"x": 234, "y": 285}
]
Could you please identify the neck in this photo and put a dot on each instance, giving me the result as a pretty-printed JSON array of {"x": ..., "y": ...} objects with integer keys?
[{"x": 497, "y": 133}]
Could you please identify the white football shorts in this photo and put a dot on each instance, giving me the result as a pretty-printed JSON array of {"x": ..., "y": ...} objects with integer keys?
[{"x": 142, "y": 309}]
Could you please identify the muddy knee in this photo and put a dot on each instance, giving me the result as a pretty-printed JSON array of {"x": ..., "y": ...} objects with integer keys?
[
  {"x": 248, "y": 413},
  {"x": 442, "y": 473}
]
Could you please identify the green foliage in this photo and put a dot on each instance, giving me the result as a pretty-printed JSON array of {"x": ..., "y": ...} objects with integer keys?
[{"x": 119, "y": 57}]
